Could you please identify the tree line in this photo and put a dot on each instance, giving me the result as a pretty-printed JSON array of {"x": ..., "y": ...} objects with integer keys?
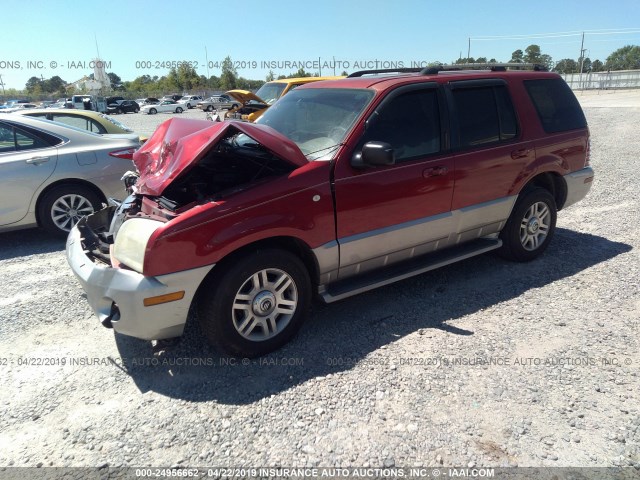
[
  {"x": 184, "y": 77},
  {"x": 625, "y": 58}
]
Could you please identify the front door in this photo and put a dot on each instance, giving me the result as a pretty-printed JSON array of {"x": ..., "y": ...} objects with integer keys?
[{"x": 387, "y": 214}]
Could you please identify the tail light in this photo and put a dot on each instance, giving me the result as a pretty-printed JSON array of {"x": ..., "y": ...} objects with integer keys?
[
  {"x": 587, "y": 160},
  {"x": 126, "y": 154}
]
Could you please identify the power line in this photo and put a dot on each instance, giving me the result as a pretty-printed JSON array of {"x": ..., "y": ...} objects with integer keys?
[{"x": 605, "y": 31}]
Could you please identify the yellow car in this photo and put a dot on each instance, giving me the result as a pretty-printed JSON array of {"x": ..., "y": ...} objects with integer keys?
[
  {"x": 84, "y": 119},
  {"x": 255, "y": 104}
]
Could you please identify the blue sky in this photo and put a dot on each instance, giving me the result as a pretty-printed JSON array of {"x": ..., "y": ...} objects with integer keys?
[{"x": 131, "y": 32}]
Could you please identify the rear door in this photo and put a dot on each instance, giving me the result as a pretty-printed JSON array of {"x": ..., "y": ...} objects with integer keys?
[
  {"x": 490, "y": 154},
  {"x": 26, "y": 161},
  {"x": 387, "y": 214}
]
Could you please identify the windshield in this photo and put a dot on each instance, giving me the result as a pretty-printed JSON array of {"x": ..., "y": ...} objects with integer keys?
[
  {"x": 270, "y": 92},
  {"x": 317, "y": 119},
  {"x": 116, "y": 123}
]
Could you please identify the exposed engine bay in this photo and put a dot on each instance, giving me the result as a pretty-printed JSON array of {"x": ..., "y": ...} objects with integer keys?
[{"x": 230, "y": 166}]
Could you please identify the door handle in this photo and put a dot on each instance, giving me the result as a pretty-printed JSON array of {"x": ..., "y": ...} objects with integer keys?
[
  {"x": 434, "y": 171},
  {"x": 520, "y": 153},
  {"x": 37, "y": 160}
]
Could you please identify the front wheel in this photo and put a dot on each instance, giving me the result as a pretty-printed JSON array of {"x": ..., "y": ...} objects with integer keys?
[
  {"x": 530, "y": 227},
  {"x": 153, "y": 111},
  {"x": 62, "y": 207},
  {"x": 178, "y": 110},
  {"x": 255, "y": 305},
  {"x": 210, "y": 108}
]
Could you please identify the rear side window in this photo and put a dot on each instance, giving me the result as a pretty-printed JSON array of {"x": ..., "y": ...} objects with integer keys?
[
  {"x": 557, "y": 106},
  {"x": 485, "y": 115},
  {"x": 15, "y": 139}
]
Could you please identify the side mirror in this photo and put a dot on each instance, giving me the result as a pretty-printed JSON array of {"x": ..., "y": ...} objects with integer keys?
[{"x": 374, "y": 154}]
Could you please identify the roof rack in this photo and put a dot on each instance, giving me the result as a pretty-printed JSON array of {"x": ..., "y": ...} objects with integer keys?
[
  {"x": 494, "y": 67},
  {"x": 360, "y": 73}
]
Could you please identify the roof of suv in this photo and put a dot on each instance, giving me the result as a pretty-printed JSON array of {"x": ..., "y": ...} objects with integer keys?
[{"x": 384, "y": 81}]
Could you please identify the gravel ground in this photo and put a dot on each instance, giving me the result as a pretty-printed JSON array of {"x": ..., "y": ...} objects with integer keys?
[{"x": 484, "y": 363}]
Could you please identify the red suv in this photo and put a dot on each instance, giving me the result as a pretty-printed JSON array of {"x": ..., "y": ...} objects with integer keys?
[{"x": 341, "y": 187}]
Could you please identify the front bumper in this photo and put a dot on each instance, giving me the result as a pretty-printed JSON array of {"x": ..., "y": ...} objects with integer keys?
[
  {"x": 117, "y": 295},
  {"x": 578, "y": 185}
]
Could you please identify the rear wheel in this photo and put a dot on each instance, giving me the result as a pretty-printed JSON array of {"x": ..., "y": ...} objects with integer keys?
[
  {"x": 153, "y": 111},
  {"x": 210, "y": 108},
  {"x": 255, "y": 305},
  {"x": 63, "y": 206},
  {"x": 530, "y": 227},
  {"x": 178, "y": 110}
]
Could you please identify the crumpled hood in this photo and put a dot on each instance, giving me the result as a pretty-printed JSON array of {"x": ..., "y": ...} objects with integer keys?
[
  {"x": 178, "y": 144},
  {"x": 244, "y": 96}
]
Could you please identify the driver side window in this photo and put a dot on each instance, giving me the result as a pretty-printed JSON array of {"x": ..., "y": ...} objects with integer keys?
[{"x": 410, "y": 123}]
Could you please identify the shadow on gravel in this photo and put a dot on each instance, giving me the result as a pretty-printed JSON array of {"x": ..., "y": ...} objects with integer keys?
[
  {"x": 337, "y": 336},
  {"x": 28, "y": 242}
]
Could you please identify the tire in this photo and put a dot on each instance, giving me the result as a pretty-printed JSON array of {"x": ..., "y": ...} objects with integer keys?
[
  {"x": 238, "y": 305},
  {"x": 152, "y": 111},
  {"x": 210, "y": 108},
  {"x": 119, "y": 112},
  {"x": 137, "y": 110},
  {"x": 61, "y": 207},
  {"x": 178, "y": 110},
  {"x": 530, "y": 226}
]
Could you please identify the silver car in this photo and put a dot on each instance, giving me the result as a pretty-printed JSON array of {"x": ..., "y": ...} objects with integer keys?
[
  {"x": 218, "y": 102},
  {"x": 51, "y": 174}
]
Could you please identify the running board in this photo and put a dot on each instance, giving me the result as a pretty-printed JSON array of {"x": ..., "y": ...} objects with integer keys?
[{"x": 369, "y": 281}]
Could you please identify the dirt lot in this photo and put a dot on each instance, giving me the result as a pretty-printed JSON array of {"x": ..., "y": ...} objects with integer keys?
[{"x": 483, "y": 363}]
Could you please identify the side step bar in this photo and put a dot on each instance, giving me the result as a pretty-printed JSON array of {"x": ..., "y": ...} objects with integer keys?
[{"x": 363, "y": 283}]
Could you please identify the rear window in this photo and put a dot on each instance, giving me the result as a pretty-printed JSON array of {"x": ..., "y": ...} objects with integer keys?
[{"x": 557, "y": 106}]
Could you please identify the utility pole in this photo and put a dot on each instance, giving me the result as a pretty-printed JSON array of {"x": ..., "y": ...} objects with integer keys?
[
  {"x": 469, "y": 51},
  {"x": 206, "y": 57},
  {"x": 581, "y": 58},
  {"x": 2, "y": 84}
]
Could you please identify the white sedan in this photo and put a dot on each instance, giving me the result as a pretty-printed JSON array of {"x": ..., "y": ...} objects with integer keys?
[
  {"x": 163, "y": 107},
  {"x": 190, "y": 100}
]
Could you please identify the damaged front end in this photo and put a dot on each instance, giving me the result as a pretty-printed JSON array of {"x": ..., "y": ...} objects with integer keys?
[
  {"x": 186, "y": 163},
  {"x": 186, "y": 171}
]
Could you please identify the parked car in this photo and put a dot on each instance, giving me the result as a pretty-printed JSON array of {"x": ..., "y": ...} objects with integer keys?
[
  {"x": 175, "y": 98},
  {"x": 190, "y": 101},
  {"x": 147, "y": 101},
  {"x": 19, "y": 107},
  {"x": 123, "y": 106},
  {"x": 57, "y": 105},
  {"x": 53, "y": 174},
  {"x": 252, "y": 105},
  {"x": 218, "y": 102},
  {"x": 83, "y": 119},
  {"x": 113, "y": 99},
  {"x": 163, "y": 107},
  {"x": 339, "y": 188}
]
